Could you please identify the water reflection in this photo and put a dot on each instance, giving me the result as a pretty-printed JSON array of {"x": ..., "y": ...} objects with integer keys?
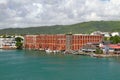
[{"x": 33, "y": 53}]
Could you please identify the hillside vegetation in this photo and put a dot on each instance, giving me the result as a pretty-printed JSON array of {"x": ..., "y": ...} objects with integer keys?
[{"x": 85, "y": 27}]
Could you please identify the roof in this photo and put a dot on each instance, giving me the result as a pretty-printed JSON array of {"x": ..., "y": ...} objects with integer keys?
[{"x": 114, "y": 46}]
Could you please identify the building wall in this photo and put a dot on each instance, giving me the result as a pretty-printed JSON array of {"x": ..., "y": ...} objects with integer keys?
[
  {"x": 7, "y": 43},
  {"x": 80, "y": 40},
  {"x": 59, "y": 41}
]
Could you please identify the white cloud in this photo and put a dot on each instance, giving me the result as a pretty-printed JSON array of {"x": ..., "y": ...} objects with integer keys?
[
  {"x": 25, "y": 13},
  {"x": 34, "y": 10},
  {"x": 3, "y": 1}
]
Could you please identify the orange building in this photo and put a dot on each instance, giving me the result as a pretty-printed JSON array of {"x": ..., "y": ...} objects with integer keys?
[{"x": 60, "y": 41}]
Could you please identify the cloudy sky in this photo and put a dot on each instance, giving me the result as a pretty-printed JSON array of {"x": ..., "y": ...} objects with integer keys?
[{"x": 25, "y": 13}]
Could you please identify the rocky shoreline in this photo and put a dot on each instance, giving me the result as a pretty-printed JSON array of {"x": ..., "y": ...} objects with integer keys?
[{"x": 98, "y": 55}]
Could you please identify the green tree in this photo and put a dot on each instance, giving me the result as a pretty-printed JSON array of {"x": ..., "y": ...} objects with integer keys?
[
  {"x": 18, "y": 39},
  {"x": 19, "y": 43},
  {"x": 98, "y": 51},
  {"x": 106, "y": 39},
  {"x": 4, "y": 36},
  {"x": 115, "y": 39}
]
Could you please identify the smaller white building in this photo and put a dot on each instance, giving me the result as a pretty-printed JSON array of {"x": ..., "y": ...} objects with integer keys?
[
  {"x": 7, "y": 43},
  {"x": 115, "y": 34},
  {"x": 1, "y": 42},
  {"x": 96, "y": 33},
  {"x": 105, "y": 34}
]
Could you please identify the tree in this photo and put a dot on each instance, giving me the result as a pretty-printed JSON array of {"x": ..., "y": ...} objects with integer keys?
[
  {"x": 18, "y": 39},
  {"x": 4, "y": 36},
  {"x": 106, "y": 38},
  {"x": 19, "y": 43},
  {"x": 115, "y": 39},
  {"x": 99, "y": 51}
]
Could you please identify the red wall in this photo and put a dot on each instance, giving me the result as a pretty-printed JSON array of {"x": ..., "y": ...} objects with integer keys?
[
  {"x": 58, "y": 41},
  {"x": 79, "y": 40}
]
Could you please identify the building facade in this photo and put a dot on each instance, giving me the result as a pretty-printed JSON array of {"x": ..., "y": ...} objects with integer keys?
[
  {"x": 59, "y": 41},
  {"x": 7, "y": 43}
]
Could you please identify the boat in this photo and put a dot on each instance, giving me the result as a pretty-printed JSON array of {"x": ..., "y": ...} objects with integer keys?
[{"x": 48, "y": 51}]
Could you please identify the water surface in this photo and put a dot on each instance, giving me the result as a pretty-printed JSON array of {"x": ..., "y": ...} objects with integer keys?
[{"x": 35, "y": 65}]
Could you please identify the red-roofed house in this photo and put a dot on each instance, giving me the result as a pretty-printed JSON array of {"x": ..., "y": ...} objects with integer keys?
[{"x": 112, "y": 48}]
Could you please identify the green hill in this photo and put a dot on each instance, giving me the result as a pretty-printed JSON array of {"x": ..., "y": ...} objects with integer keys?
[{"x": 85, "y": 27}]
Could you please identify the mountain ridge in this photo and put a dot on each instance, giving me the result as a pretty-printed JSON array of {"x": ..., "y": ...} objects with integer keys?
[{"x": 84, "y": 27}]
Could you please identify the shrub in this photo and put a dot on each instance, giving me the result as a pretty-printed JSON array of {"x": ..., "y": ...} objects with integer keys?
[{"x": 98, "y": 51}]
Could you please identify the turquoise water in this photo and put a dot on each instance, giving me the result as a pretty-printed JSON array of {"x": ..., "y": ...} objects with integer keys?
[{"x": 34, "y": 65}]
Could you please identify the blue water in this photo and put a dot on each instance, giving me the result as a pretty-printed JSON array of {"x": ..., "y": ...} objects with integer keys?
[{"x": 35, "y": 65}]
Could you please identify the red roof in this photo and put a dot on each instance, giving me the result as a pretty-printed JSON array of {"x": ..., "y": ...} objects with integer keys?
[{"x": 114, "y": 46}]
